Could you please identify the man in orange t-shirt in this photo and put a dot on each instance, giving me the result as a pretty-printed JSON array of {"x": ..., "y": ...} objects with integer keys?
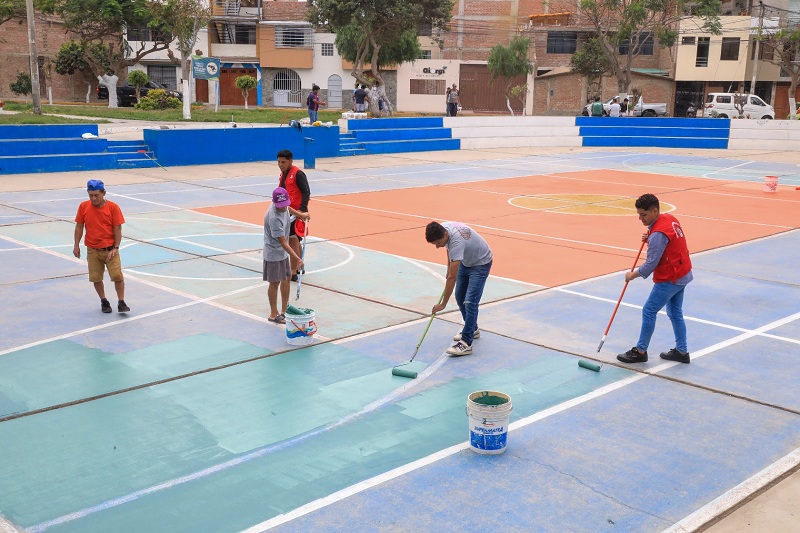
[{"x": 103, "y": 221}]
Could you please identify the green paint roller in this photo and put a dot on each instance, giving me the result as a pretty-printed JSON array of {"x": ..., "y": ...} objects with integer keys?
[
  {"x": 594, "y": 366},
  {"x": 403, "y": 373}
]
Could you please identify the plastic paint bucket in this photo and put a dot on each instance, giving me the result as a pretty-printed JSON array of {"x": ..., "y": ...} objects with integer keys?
[
  {"x": 300, "y": 328},
  {"x": 488, "y": 413},
  {"x": 770, "y": 183}
]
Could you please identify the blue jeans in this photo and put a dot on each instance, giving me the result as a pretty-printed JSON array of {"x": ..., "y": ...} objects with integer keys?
[
  {"x": 671, "y": 295},
  {"x": 469, "y": 289},
  {"x": 312, "y": 115}
]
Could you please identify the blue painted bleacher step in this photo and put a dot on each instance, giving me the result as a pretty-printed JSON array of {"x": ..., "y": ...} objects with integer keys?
[
  {"x": 655, "y": 132},
  {"x": 396, "y": 135}
]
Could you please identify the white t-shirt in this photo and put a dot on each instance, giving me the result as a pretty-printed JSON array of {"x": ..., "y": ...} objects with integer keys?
[
  {"x": 614, "y": 111},
  {"x": 466, "y": 245}
]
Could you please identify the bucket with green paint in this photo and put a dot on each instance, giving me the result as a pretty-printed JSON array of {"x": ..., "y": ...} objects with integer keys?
[
  {"x": 300, "y": 326},
  {"x": 488, "y": 413}
]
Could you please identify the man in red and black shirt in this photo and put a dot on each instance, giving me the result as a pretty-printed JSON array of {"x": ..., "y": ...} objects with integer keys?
[
  {"x": 668, "y": 260},
  {"x": 295, "y": 182}
]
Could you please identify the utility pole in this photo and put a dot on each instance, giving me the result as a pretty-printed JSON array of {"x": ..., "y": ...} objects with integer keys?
[
  {"x": 37, "y": 103},
  {"x": 755, "y": 61}
]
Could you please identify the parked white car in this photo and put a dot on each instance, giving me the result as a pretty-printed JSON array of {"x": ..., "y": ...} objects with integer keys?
[
  {"x": 723, "y": 105},
  {"x": 640, "y": 109}
]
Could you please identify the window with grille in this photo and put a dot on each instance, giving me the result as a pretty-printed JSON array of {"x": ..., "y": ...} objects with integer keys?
[
  {"x": 245, "y": 34},
  {"x": 166, "y": 75},
  {"x": 702, "y": 51},
  {"x": 426, "y": 54},
  {"x": 288, "y": 37},
  {"x": 688, "y": 40},
  {"x": 562, "y": 42},
  {"x": 645, "y": 41},
  {"x": 730, "y": 49},
  {"x": 327, "y": 49},
  {"x": 428, "y": 86},
  {"x": 145, "y": 34}
]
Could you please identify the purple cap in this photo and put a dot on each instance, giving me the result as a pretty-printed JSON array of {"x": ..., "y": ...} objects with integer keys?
[
  {"x": 280, "y": 197},
  {"x": 95, "y": 185}
]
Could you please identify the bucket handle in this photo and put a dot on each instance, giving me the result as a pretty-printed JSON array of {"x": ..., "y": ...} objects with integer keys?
[{"x": 301, "y": 330}]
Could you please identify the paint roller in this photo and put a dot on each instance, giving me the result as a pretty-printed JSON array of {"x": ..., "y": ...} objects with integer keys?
[
  {"x": 588, "y": 365},
  {"x": 302, "y": 260},
  {"x": 150, "y": 158},
  {"x": 402, "y": 372}
]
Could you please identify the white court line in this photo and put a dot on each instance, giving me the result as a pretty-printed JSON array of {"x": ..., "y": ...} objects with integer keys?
[
  {"x": 504, "y": 230},
  {"x": 737, "y": 494},
  {"x": 443, "y": 454},
  {"x": 149, "y": 202},
  {"x": 689, "y": 318}
]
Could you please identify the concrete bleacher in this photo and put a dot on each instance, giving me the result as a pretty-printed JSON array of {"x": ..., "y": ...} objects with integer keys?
[
  {"x": 656, "y": 132},
  {"x": 34, "y": 148},
  {"x": 764, "y": 134},
  {"x": 510, "y": 132},
  {"x": 395, "y": 135}
]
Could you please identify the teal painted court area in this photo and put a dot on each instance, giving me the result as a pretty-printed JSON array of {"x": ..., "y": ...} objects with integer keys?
[{"x": 193, "y": 413}]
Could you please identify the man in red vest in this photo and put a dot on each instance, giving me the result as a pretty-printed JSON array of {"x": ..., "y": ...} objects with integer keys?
[
  {"x": 296, "y": 184},
  {"x": 668, "y": 261}
]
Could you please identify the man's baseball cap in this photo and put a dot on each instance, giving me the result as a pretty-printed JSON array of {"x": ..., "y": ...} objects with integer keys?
[
  {"x": 280, "y": 197},
  {"x": 95, "y": 185}
]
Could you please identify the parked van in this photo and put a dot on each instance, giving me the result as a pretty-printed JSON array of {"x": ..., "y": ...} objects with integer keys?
[{"x": 722, "y": 103}]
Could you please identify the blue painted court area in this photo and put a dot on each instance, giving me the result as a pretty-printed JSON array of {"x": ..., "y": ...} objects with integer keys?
[{"x": 193, "y": 413}]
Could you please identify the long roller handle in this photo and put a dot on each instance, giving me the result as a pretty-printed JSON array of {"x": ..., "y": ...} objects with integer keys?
[
  {"x": 611, "y": 321},
  {"x": 430, "y": 321},
  {"x": 302, "y": 258}
]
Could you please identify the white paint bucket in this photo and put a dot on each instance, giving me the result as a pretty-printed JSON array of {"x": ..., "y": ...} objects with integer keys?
[
  {"x": 488, "y": 413},
  {"x": 770, "y": 183},
  {"x": 300, "y": 329}
]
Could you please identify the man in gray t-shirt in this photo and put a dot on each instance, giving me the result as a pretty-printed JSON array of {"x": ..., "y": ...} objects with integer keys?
[
  {"x": 469, "y": 261},
  {"x": 277, "y": 253}
]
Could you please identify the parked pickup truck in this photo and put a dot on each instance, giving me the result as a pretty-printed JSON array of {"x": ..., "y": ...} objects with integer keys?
[
  {"x": 639, "y": 110},
  {"x": 126, "y": 94}
]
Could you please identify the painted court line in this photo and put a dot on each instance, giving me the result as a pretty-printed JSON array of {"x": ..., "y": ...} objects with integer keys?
[
  {"x": 739, "y": 493},
  {"x": 242, "y": 459}
]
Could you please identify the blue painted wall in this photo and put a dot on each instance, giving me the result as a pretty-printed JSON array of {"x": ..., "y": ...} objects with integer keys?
[
  {"x": 46, "y": 131},
  {"x": 13, "y": 147},
  {"x": 237, "y": 145}
]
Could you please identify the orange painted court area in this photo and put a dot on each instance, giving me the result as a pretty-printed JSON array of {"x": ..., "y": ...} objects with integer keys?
[{"x": 544, "y": 246}]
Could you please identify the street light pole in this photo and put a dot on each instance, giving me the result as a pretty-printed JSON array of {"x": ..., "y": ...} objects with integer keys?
[
  {"x": 37, "y": 104},
  {"x": 755, "y": 61}
]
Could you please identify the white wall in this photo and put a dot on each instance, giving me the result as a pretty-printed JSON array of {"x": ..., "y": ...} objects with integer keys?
[{"x": 431, "y": 69}]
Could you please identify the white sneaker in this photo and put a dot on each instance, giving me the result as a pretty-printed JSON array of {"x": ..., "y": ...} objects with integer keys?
[
  {"x": 459, "y": 349},
  {"x": 476, "y": 335}
]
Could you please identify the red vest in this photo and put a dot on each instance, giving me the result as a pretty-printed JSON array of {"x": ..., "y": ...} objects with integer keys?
[
  {"x": 290, "y": 184},
  {"x": 675, "y": 262}
]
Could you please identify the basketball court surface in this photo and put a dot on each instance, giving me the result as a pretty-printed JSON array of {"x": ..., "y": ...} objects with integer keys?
[{"x": 193, "y": 413}]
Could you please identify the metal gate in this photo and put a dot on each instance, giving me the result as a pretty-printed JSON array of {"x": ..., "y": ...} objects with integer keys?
[
  {"x": 335, "y": 92},
  {"x": 286, "y": 89},
  {"x": 478, "y": 93}
]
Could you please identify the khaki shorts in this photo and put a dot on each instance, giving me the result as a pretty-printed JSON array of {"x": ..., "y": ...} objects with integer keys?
[{"x": 98, "y": 263}]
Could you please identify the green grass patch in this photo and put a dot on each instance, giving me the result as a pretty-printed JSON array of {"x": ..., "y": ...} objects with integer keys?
[{"x": 199, "y": 114}]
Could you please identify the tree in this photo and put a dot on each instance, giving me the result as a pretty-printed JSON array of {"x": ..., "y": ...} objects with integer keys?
[
  {"x": 785, "y": 46},
  {"x": 623, "y": 28},
  {"x": 508, "y": 62},
  {"x": 246, "y": 84},
  {"x": 22, "y": 85},
  {"x": 184, "y": 19},
  {"x": 138, "y": 79},
  {"x": 375, "y": 24},
  {"x": 98, "y": 25},
  {"x": 10, "y": 9},
  {"x": 590, "y": 60},
  {"x": 70, "y": 60}
]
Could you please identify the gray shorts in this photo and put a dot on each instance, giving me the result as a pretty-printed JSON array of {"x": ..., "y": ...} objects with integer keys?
[{"x": 277, "y": 270}]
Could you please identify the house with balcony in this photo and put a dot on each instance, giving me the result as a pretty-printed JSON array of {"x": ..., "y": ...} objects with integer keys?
[{"x": 706, "y": 63}]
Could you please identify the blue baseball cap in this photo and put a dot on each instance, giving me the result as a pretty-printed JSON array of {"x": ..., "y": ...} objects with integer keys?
[{"x": 95, "y": 185}]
